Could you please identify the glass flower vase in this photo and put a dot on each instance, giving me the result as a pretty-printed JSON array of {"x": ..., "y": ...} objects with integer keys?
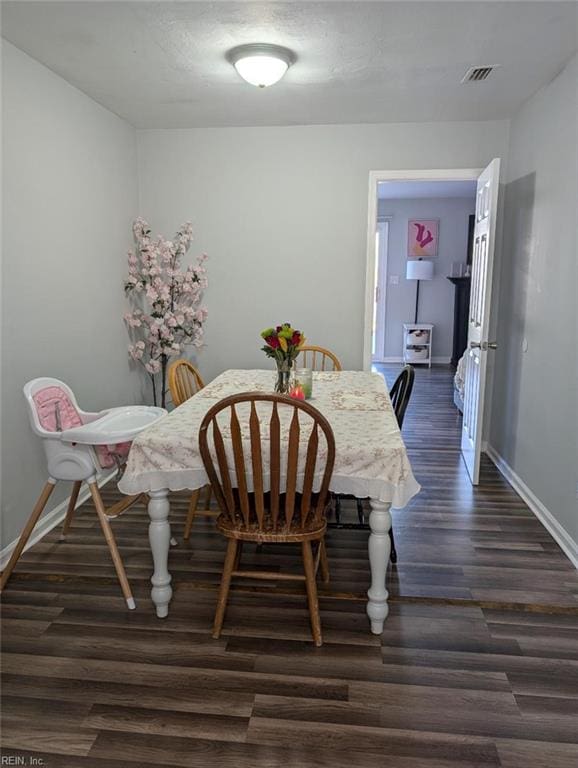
[{"x": 283, "y": 379}]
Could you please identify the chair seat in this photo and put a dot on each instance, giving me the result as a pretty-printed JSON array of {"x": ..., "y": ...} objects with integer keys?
[{"x": 281, "y": 534}]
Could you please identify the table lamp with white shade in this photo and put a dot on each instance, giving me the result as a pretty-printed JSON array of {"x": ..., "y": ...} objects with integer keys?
[{"x": 418, "y": 269}]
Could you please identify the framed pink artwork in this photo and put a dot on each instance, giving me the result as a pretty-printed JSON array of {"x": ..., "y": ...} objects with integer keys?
[{"x": 422, "y": 238}]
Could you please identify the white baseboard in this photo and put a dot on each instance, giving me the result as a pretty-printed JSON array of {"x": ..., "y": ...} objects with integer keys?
[
  {"x": 558, "y": 533},
  {"x": 439, "y": 360},
  {"x": 51, "y": 520}
]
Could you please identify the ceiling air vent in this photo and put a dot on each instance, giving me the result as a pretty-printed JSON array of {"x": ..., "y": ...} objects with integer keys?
[{"x": 477, "y": 74}]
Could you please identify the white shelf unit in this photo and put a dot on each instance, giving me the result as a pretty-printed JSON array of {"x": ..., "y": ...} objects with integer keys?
[{"x": 417, "y": 339}]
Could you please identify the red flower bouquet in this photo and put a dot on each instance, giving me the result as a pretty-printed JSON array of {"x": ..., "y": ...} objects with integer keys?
[{"x": 283, "y": 344}]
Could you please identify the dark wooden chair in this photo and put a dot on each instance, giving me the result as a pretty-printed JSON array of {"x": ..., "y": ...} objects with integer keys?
[
  {"x": 269, "y": 498},
  {"x": 401, "y": 392},
  {"x": 399, "y": 395}
]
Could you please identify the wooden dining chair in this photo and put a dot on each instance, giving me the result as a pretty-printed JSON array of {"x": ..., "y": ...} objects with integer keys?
[
  {"x": 318, "y": 358},
  {"x": 246, "y": 439},
  {"x": 184, "y": 382},
  {"x": 399, "y": 395}
]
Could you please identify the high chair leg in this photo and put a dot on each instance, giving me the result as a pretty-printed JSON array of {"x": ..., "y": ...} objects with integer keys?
[
  {"x": 70, "y": 510},
  {"x": 25, "y": 535},
  {"x": 122, "y": 505},
  {"x": 109, "y": 536},
  {"x": 191, "y": 513}
]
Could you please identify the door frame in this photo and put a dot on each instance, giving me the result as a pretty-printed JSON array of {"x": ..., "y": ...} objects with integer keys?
[
  {"x": 375, "y": 177},
  {"x": 385, "y": 223}
]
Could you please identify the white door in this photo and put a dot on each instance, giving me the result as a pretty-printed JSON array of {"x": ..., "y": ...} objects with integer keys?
[
  {"x": 380, "y": 282},
  {"x": 479, "y": 318}
]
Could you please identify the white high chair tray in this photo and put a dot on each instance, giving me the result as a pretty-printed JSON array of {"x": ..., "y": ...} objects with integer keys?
[{"x": 119, "y": 425}]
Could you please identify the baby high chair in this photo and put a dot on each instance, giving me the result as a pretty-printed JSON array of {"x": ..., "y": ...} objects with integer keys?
[{"x": 79, "y": 445}]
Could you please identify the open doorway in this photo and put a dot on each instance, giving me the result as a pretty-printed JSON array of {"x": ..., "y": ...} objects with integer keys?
[
  {"x": 424, "y": 249},
  {"x": 431, "y": 237}
]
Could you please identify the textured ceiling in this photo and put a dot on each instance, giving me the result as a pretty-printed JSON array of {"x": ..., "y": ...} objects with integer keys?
[{"x": 162, "y": 64}]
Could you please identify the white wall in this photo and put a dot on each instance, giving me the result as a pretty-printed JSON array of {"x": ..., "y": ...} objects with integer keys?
[
  {"x": 534, "y": 424},
  {"x": 436, "y": 297},
  {"x": 282, "y": 213},
  {"x": 69, "y": 195}
]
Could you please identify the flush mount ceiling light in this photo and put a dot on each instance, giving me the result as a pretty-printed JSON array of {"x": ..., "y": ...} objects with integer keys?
[{"x": 261, "y": 64}]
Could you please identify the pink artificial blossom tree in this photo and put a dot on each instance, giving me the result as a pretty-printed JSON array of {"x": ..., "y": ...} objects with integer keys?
[{"x": 166, "y": 314}]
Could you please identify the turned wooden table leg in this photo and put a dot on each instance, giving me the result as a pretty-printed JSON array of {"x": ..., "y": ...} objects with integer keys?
[
  {"x": 160, "y": 538},
  {"x": 379, "y": 550}
]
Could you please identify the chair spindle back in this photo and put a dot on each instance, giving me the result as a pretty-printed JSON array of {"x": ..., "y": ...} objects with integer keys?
[
  {"x": 184, "y": 381},
  {"x": 401, "y": 392},
  {"x": 288, "y": 503},
  {"x": 318, "y": 359}
]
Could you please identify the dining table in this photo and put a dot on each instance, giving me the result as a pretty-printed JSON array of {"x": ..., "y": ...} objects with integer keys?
[{"x": 370, "y": 462}]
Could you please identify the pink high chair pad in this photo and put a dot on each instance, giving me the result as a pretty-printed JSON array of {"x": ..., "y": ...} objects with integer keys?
[{"x": 48, "y": 399}]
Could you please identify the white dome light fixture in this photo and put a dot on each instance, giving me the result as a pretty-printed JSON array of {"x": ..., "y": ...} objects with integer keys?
[{"x": 261, "y": 64}]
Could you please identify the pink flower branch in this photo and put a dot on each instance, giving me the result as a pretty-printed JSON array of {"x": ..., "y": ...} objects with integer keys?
[{"x": 166, "y": 314}]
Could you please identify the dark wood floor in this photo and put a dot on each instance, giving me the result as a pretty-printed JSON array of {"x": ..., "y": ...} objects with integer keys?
[{"x": 478, "y": 664}]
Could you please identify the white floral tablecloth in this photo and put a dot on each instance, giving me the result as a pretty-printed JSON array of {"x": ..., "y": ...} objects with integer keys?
[{"x": 370, "y": 457}]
